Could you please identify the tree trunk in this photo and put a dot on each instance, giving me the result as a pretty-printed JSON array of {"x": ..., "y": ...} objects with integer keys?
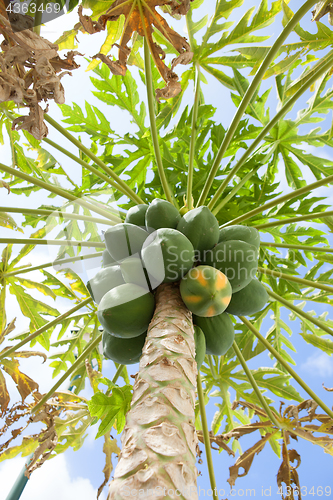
[{"x": 159, "y": 441}]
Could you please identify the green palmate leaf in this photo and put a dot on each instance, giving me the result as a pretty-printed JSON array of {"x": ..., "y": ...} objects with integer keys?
[
  {"x": 323, "y": 344},
  {"x": 307, "y": 40},
  {"x": 32, "y": 309},
  {"x": 111, "y": 92},
  {"x": 257, "y": 106},
  {"x": 244, "y": 29},
  {"x": 111, "y": 409}
]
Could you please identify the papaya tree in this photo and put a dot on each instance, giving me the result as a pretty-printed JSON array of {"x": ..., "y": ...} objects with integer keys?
[{"x": 181, "y": 223}]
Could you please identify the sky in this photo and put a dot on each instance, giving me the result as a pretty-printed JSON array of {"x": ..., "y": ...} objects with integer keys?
[{"x": 78, "y": 474}]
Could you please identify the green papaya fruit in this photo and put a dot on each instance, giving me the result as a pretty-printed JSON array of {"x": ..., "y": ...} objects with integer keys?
[
  {"x": 107, "y": 260},
  {"x": 249, "y": 300},
  {"x": 133, "y": 271},
  {"x": 219, "y": 333},
  {"x": 136, "y": 215},
  {"x": 123, "y": 351},
  {"x": 167, "y": 255},
  {"x": 245, "y": 233},
  {"x": 237, "y": 259},
  {"x": 126, "y": 310},
  {"x": 106, "y": 279},
  {"x": 200, "y": 346},
  {"x": 161, "y": 214},
  {"x": 201, "y": 227},
  {"x": 123, "y": 240}
]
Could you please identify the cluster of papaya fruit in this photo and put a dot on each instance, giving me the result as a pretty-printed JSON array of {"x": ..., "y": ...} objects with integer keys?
[{"x": 215, "y": 267}]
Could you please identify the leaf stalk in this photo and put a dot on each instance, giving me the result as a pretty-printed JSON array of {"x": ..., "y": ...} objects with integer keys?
[
  {"x": 44, "y": 328},
  {"x": 77, "y": 363},
  {"x": 255, "y": 387},
  {"x": 250, "y": 92},
  {"x": 206, "y": 438},
  {"x": 290, "y": 370},
  {"x": 152, "y": 118},
  {"x": 301, "y": 281}
]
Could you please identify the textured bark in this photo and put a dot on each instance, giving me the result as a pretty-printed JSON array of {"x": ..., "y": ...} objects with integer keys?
[{"x": 159, "y": 442}]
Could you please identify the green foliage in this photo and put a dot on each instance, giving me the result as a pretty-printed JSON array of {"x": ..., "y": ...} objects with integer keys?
[{"x": 230, "y": 48}]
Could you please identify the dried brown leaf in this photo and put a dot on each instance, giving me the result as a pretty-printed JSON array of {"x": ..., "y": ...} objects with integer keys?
[
  {"x": 244, "y": 404},
  {"x": 292, "y": 411},
  {"x": 33, "y": 123},
  {"x": 4, "y": 395},
  {"x": 287, "y": 473},
  {"x": 28, "y": 72},
  {"x": 5, "y": 185},
  {"x": 245, "y": 460},
  {"x": 110, "y": 446},
  {"x": 237, "y": 432},
  {"x": 48, "y": 440},
  {"x": 9, "y": 328},
  {"x": 328, "y": 389},
  {"x": 143, "y": 19},
  {"x": 217, "y": 439},
  {"x": 321, "y": 10}
]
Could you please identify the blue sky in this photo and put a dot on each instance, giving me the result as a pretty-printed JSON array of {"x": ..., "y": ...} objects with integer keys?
[{"x": 78, "y": 474}]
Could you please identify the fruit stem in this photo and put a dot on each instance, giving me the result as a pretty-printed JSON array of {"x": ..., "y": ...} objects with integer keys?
[
  {"x": 255, "y": 387},
  {"x": 206, "y": 437},
  {"x": 299, "y": 311},
  {"x": 301, "y": 281},
  {"x": 292, "y": 372},
  {"x": 79, "y": 361},
  {"x": 248, "y": 96},
  {"x": 44, "y": 328}
]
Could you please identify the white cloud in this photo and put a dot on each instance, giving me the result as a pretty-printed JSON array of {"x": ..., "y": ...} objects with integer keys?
[
  {"x": 52, "y": 480},
  {"x": 319, "y": 364}
]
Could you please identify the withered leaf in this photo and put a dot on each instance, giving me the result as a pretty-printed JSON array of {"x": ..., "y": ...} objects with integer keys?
[
  {"x": 287, "y": 473},
  {"x": 9, "y": 328},
  {"x": 26, "y": 354},
  {"x": 110, "y": 446},
  {"x": 292, "y": 411},
  {"x": 28, "y": 72},
  {"x": 328, "y": 389},
  {"x": 244, "y": 404},
  {"x": 33, "y": 123},
  {"x": 142, "y": 18},
  {"x": 237, "y": 432},
  {"x": 4, "y": 395},
  {"x": 48, "y": 440},
  {"x": 321, "y": 10},
  {"x": 25, "y": 385},
  {"x": 217, "y": 439},
  {"x": 245, "y": 460},
  {"x": 5, "y": 185}
]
